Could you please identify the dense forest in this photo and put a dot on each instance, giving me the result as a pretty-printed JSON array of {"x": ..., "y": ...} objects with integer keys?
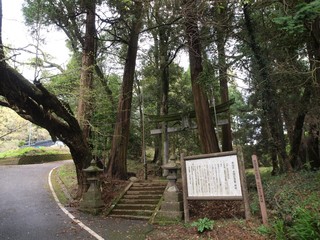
[{"x": 252, "y": 82}]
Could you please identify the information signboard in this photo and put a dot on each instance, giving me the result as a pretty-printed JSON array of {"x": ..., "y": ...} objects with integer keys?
[{"x": 213, "y": 177}]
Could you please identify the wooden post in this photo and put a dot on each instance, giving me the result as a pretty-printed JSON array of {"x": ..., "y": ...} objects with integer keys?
[
  {"x": 262, "y": 202},
  {"x": 185, "y": 189},
  {"x": 244, "y": 185}
]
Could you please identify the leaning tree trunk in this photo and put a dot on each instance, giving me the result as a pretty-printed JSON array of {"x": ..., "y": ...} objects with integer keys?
[
  {"x": 270, "y": 108},
  {"x": 208, "y": 138},
  {"x": 85, "y": 107},
  {"x": 117, "y": 165},
  {"x": 36, "y": 104}
]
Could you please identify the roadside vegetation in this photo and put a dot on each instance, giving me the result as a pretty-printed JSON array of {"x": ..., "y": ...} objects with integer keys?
[{"x": 31, "y": 155}]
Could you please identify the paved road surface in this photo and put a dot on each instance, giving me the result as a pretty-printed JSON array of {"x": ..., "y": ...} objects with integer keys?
[
  {"x": 28, "y": 211},
  {"x": 27, "y": 208}
]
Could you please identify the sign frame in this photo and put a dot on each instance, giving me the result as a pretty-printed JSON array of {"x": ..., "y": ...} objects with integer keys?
[{"x": 204, "y": 158}]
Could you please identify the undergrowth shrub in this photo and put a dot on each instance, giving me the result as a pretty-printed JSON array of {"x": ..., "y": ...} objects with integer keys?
[
  {"x": 297, "y": 205},
  {"x": 203, "y": 224},
  {"x": 278, "y": 230},
  {"x": 293, "y": 204},
  {"x": 306, "y": 225}
]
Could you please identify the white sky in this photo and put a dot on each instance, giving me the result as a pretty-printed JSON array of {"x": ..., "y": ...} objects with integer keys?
[{"x": 16, "y": 35}]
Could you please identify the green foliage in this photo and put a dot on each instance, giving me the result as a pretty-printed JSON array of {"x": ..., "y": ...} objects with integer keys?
[
  {"x": 103, "y": 119},
  {"x": 264, "y": 230},
  {"x": 44, "y": 158},
  {"x": 254, "y": 206},
  {"x": 49, "y": 12},
  {"x": 67, "y": 174},
  {"x": 306, "y": 225},
  {"x": 203, "y": 224},
  {"x": 278, "y": 230},
  {"x": 294, "y": 203},
  {"x": 65, "y": 86},
  {"x": 285, "y": 192},
  {"x": 31, "y": 155},
  {"x": 208, "y": 79},
  {"x": 26, "y": 152},
  {"x": 304, "y": 14}
]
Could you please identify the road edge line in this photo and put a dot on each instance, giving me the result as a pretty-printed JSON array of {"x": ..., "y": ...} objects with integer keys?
[{"x": 82, "y": 225}]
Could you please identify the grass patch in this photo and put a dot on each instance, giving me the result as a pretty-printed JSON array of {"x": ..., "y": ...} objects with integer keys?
[
  {"x": 9, "y": 161},
  {"x": 68, "y": 177},
  {"x": 31, "y": 155},
  {"x": 57, "y": 188},
  {"x": 28, "y": 151},
  {"x": 264, "y": 171}
]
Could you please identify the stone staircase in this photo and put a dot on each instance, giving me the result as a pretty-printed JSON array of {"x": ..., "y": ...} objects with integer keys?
[{"x": 140, "y": 200}]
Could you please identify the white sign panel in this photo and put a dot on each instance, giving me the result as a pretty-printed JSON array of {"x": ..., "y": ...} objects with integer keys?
[{"x": 213, "y": 177}]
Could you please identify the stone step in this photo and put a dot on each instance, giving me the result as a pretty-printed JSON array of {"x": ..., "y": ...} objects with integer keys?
[
  {"x": 147, "y": 188},
  {"x": 130, "y": 192},
  {"x": 137, "y": 196},
  {"x": 149, "y": 184},
  {"x": 130, "y": 212},
  {"x": 138, "y": 201},
  {"x": 130, "y": 217},
  {"x": 135, "y": 206}
]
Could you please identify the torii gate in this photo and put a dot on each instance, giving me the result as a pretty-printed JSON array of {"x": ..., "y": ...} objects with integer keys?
[{"x": 184, "y": 119}]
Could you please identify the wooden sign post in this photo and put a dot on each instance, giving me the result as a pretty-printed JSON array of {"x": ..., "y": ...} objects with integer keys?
[
  {"x": 213, "y": 176},
  {"x": 262, "y": 202}
]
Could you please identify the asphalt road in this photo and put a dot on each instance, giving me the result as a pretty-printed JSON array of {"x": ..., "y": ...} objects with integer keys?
[{"x": 27, "y": 207}]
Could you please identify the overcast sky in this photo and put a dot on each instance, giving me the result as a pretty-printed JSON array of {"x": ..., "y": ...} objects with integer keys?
[{"x": 16, "y": 35}]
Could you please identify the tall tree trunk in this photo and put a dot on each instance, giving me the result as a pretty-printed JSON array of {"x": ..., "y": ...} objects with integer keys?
[
  {"x": 208, "y": 138},
  {"x": 164, "y": 76},
  {"x": 157, "y": 143},
  {"x": 223, "y": 68},
  {"x": 141, "y": 119},
  {"x": 270, "y": 108},
  {"x": 85, "y": 107},
  {"x": 117, "y": 165},
  {"x": 299, "y": 122}
]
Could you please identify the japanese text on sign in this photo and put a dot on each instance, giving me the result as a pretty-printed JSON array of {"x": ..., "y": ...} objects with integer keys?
[{"x": 213, "y": 177}]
